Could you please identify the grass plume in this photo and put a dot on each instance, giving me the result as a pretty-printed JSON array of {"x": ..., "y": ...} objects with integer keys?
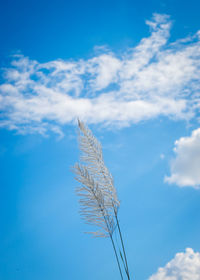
[{"x": 99, "y": 203}]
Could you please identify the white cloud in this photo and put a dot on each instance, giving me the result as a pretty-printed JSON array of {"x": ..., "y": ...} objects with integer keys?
[
  {"x": 104, "y": 68},
  {"x": 185, "y": 168},
  {"x": 153, "y": 79},
  {"x": 185, "y": 266}
]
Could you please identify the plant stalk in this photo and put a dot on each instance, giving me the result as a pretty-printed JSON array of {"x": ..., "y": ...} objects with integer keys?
[
  {"x": 116, "y": 257},
  {"x": 123, "y": 248}
]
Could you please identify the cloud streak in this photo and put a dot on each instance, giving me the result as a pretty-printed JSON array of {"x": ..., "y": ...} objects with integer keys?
[{"x": 152, "y": 79}]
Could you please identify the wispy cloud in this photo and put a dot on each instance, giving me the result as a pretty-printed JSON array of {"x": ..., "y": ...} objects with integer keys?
[
  {"x": 153, "y": 79},
  {"x": 185, "y": 167},
  {"x": 185, "y": 266}
]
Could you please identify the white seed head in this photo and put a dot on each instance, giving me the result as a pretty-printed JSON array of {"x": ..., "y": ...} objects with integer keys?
[{"x": 98, "y": 197}]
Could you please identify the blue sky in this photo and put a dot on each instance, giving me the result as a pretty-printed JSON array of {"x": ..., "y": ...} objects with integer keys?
[{"x": 130, "y": 70}]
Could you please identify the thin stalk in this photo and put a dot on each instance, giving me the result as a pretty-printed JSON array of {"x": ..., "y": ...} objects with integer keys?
[
  {"x": 123, "y": 248},
  {"x": 110, "y": 235},
  {"x": 116, "y": 257}
]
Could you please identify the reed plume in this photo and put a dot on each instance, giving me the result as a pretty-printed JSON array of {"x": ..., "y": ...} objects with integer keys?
[{"x": 99, "y": 203}]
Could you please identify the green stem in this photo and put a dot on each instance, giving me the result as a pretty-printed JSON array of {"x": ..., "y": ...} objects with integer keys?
[
  {"x": 110, "y": 234},
  {"x": 116, "y": 256},
  {"x": 123, "y": 248}
]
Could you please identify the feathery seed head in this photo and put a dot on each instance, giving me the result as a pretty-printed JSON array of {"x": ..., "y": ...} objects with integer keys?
[{"x": 98, "y": 197}]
